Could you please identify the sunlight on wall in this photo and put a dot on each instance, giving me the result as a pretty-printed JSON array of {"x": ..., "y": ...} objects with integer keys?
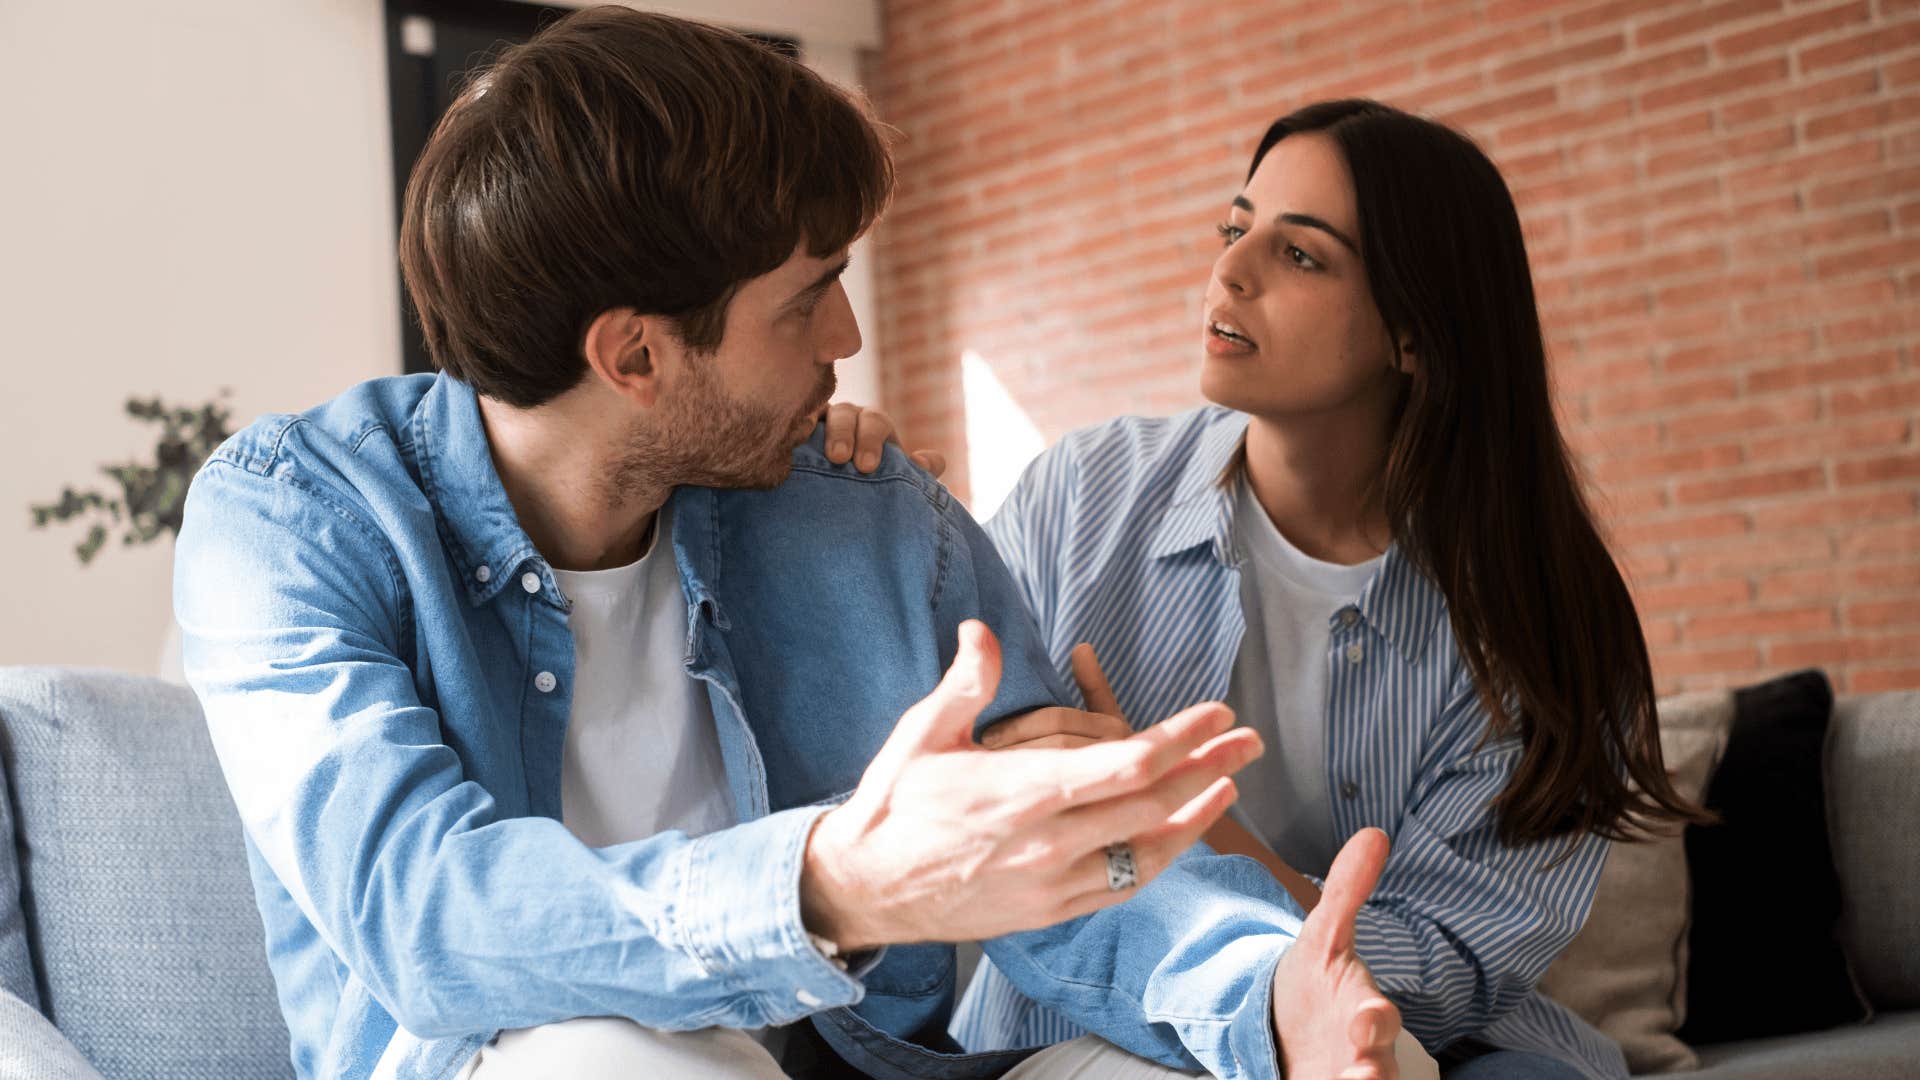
[{"x": 1000, "y": 438}]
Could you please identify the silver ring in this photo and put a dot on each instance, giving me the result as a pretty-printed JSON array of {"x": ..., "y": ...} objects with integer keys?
[{"x": 1120, "y": 870}]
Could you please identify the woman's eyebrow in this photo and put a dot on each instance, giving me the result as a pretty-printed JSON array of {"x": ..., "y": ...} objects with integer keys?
[{"x": 1307, "y": 220}]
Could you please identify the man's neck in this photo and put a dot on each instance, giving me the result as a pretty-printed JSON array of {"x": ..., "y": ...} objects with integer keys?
[
  {"x": 1321, "y": 480},
  {"x": 561, "y": 466}
]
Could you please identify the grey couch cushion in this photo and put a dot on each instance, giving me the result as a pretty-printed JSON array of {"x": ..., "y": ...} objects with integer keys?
[
  {"x": 33, "y": 1049},
  {"x": 1873, "y": 757},
  {"x": 1885, "y": 1048},
  {"x": 16, "y": 970},
  {"x": 140, "y": 912}
]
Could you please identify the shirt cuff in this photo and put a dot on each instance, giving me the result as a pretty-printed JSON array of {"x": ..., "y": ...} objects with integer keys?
[
  {"x": 739, "y": 912},
  {"x": 1250, "y": 1034}
]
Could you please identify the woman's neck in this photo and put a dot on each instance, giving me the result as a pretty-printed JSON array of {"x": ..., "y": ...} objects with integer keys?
[{"x": 1321, "y": 481}]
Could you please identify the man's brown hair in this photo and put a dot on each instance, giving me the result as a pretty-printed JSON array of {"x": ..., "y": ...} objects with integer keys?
[{"x": 623, "y": 159}]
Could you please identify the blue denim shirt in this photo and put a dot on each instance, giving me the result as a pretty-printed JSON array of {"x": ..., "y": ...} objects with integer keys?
[{"x": 385, "y": 664}]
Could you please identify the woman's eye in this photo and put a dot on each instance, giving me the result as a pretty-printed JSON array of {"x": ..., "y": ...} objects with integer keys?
[
  {"x": 1229, "y": 233},
  {"x": 1301, "y": 259}
]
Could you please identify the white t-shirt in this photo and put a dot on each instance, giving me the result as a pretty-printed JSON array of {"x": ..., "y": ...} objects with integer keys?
[
  {"x": 1279, "y": 684},
  {"x": 641, "y": 755}
]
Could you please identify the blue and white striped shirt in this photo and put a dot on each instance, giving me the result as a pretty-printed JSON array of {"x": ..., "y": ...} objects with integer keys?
[{"x": 1120, "y": 535}]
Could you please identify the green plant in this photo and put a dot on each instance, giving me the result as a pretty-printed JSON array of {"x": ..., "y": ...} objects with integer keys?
[{"x": 151, "y": 498}]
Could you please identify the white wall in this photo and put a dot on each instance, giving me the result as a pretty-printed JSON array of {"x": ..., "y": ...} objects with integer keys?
[
  {"x": 193, "y": 195},
  {"x": 196, "y": 195}
]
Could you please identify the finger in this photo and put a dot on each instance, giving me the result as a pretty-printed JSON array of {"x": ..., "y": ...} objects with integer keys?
[
  {"x": 1356, "y": 870},
  {"x": 1154, "y": 851},
  {"x": 1050, "y": 742},
  {"x": 1039, "y": 723},
  {"x": 944, "y": 719},
  {"x": 872, "y": 431},
  {"x": 842, "y": 420},
  {"x": 1084, "y": 828},
  {"x": 1056, "y": 779},
  {"x": 1093, "y": 682},
  {"x": 933, "y": 461},
  {"x": 1375, "y": 1025}
]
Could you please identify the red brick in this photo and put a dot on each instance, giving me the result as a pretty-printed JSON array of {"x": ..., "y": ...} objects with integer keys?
[
  {"x": 1667, "y": 395},
  {"x": 1786, "y": 31},
  {"x": 1766, "y": 623},
  {"x": 1812, "y": 372},
  {"x": 1667, "y": 463},
  {"x": 1795, "y": 169},
  {"x": 1848, "y": 650},
  {"x": 1894, "y": 254},
  {"x": 1832, "y": 440},
  {"x": 1654, "y": 68},
  {"x": 1751, "y": 486},
  {"x": 1861, "y": 118},
  {"x": 1877, "y": 680},
  {"x": 1499, "y": 44},
  {"x": 1690, "y": 661},
  {"x": 1879, "y": 614},
  {"x": 1878, "y": 470},
  {"x": 1721, "y": 152},
  {"x": 1612, "y": 13},
  {"x": 1556, "y": 60},
  {"x": 1659, "y": 599},
  {"x": 1901, "y": 539},
  {"x": 1693, "y": 527},
  {"x": 1836, "y": 510},
  {"x": 1884, "y": 396},
  {"x": 1703, "y": 19},
  {"x": 1802, "y": 96},
  {"x": 1880, "y": 39},
  {"x": 1756, "y": 417},
  {"x": 1718, "y": 84}
]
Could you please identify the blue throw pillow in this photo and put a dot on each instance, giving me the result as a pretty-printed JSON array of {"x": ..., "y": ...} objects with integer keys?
[{"x": 141, "y": 922}]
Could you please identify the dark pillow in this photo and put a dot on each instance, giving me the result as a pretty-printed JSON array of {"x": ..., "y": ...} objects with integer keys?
[{"x": 1763, "y": 955}]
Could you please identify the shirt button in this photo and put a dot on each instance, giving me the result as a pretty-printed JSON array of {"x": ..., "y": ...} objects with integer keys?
[
  {"x": 483, "y": 575},
  {"x": 1355, "y": 653},
  {"x": 806, "y": 999},
  {"x": 545, "y": 682},
  {"x": 530, "y": 581},
  {"x": 1349, "y": 617},
  {"x": 1349, "y": 790}
]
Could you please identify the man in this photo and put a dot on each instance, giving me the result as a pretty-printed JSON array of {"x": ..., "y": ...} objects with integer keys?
[{"x": 558, "y": 694}]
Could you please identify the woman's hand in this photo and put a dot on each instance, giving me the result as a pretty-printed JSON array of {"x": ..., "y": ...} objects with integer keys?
[
  {"x": 1103, "y": 721},
  {"x": 856, "y": 433}
]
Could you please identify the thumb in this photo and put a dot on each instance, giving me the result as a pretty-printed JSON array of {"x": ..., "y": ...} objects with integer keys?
[
  {"x": 1356, "y": 870},
  {"x": 1093, "y": 682},
  {"x": 943, "y": 720}
]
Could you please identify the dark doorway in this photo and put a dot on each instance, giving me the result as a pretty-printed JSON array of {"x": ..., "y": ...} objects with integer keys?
[{"x": 431, "y": 46}]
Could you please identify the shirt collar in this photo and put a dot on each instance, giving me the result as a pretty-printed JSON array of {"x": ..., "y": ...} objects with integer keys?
[
  {"x": 470, "y": 505},
  {"x": 1399, "y": 601},
  {"x": 1202, "y": 508}
]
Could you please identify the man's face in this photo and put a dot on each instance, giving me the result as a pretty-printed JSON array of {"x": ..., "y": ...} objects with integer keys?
[{"x": 731, "y": 418}]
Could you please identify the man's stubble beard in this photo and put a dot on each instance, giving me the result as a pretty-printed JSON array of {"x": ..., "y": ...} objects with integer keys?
[{"x": 708, "y": 438}]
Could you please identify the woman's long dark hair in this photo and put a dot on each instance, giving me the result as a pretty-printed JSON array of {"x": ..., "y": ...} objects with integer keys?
[{"x": 1480, "y": 491}]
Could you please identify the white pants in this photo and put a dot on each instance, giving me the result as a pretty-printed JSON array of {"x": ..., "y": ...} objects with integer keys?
[{"x": 602, "y": 1048}]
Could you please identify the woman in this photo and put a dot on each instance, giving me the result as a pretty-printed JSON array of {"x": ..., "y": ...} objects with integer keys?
[{"x": 1376, "y": 549}]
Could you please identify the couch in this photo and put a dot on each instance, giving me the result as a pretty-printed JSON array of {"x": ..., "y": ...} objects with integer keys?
[{"x": 130, "y": 946}]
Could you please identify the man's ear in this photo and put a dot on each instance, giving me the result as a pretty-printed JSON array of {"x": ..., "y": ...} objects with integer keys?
[{"x": 622, "y": 349}]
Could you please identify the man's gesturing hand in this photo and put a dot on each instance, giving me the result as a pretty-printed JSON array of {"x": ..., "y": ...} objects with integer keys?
[
  {"x": 1331, "y": 1020},
  {"x": 945, "y": 841}
]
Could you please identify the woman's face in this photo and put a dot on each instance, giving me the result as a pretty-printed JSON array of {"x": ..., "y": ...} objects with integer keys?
[{"x": 1291, "y": 327}]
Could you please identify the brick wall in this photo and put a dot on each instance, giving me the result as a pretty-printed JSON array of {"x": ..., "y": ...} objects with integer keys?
[{"x": 1722, "y": 203}]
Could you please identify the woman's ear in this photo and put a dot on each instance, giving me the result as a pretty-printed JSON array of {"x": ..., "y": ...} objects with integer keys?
[
  {"x": 618, "y": 350},
  {"x": 1403, "y": 358}
]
